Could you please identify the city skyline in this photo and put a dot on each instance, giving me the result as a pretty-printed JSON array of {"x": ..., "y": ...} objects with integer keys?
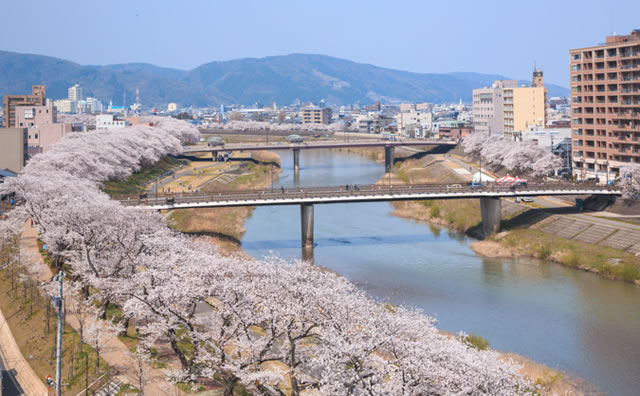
[{"x": 410, "y": 36}]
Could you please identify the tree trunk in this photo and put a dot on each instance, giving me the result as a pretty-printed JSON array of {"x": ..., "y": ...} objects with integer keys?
[
  {"x": 105, "y": 306},
  {"x": 125, "y": 328},
  {"x": 174, "y": 346},
  {"x": 229, "y": 385}
]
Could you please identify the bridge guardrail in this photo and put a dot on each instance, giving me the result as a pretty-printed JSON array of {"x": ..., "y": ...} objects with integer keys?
[{"x": 354, "y": 190}]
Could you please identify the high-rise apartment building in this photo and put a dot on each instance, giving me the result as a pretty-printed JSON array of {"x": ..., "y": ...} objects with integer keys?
[
  {"x": 605, "y": 106},
  {"x": 9, "y": 103},
  {"x": 75, "y": 93}
]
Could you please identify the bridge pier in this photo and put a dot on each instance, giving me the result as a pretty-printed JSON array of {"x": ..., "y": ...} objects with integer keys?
[
  {"x": 214, "y": 156},
  {"x": 389, "y": 153},
  {"x": 306, "y": 222},
  {"x": 296, "y": 160},
  {"x": 490, "y": 208}
]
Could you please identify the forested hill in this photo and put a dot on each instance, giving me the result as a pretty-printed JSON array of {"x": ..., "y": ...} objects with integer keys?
[{"x": 280, "y": 79}]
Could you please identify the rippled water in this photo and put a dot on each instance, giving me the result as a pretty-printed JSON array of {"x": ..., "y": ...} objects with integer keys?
[{"x": 564, "y": 318}]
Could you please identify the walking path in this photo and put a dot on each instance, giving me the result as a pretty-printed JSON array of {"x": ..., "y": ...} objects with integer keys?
[{"x": 115, "y": 353}]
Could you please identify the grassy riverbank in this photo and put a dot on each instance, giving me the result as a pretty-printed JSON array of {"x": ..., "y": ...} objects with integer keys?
[
  {"x": 516, "y": 240},
  {"x": 522, "y": 242},
  {"x": 225, "y": 226},
  {"x": 136, "y": 183}
]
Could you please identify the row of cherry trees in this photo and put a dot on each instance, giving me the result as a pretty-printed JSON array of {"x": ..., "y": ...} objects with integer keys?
[
  {"x": 268, "y": 126},
  {"x": 268, "y": 324},
  {"x": 518, "y": 157}
]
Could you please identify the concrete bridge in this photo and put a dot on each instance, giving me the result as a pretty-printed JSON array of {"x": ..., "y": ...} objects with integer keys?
[
  {"x": 306, "y": 197},
  {"x": 389, "y": 147}
]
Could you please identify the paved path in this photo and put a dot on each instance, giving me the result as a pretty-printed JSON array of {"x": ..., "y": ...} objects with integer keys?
[{"x": 115, "y": 353}]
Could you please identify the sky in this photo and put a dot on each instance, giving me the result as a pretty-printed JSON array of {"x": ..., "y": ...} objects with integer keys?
[{"x": 497, "y": 37}]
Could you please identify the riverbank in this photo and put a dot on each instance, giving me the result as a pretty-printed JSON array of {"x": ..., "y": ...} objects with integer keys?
[
  {"x": 521, "y": 236},
  {"x": 225, "y": 226}
]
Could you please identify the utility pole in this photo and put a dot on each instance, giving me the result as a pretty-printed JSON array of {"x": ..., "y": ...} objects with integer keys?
[{"x": 58, "y": 302}]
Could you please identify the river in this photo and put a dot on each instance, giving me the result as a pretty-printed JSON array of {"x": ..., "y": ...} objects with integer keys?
[{"x": 564, "y": 318}]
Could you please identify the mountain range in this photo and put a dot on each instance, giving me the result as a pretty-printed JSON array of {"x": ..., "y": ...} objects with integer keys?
[{"x": 281, "y": 79}]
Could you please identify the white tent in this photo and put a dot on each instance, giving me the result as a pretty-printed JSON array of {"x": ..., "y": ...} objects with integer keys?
[{"x": 485, "y": 178}]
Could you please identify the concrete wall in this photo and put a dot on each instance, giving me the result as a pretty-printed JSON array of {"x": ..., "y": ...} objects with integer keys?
[{"x": 13, "y": 148}]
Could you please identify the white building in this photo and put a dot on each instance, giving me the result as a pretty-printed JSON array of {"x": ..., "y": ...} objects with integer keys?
[
  {"x": 106, "y": 121},
  {"x": 411, "y": 120},
  {"x": 66, "y": 106},
  {"x": 172, "y": 107},
  {"x": 75, "y": 93},
  {"x": 488, "y": 114}
]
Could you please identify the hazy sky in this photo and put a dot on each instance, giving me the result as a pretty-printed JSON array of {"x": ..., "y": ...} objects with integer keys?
[{"x": 503, "y": 37}]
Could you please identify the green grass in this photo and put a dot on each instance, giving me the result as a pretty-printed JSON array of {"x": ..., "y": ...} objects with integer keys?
[
  {"x": 136, "y": 183},
  {"x": 127, "y": 389},
  {"x": 575, "y": 254},
  {"x": 477, "y": 342}
]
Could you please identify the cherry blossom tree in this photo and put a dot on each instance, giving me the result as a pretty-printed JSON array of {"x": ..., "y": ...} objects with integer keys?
[
  {"x": 631, "y": 181},
  {"x": 97, "y": 334},
  {"x": 239, "y": 316},
  {"x": 518, "y": 157}
]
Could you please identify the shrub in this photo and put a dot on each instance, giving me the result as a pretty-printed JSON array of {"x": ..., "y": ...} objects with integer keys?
[
  {"x": 543, "y": 251},
  {"x": 435, "y": 211},
  {"x": 477, "y": 342}
]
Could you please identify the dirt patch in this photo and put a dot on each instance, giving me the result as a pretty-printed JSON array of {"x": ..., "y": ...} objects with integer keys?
[
  {"x": 552, "y": 382},
  {"x": 491, "y": 249}
]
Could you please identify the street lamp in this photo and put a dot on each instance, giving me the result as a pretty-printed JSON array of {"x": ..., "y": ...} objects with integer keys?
[{"x": 58, "y": 303}]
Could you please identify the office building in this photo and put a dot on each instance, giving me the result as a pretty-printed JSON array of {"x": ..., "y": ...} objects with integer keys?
[
  {"x": 505, "y": 107},
  {"x": 9, "y": 103},
  {"x": 75, "y": 93},
  {"x": 316, "y": 115},
  {"x": 488, "y": 107},
  {"x": 605, "y": 107}
]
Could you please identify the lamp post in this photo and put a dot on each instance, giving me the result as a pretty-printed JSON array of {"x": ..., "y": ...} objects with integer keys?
[{"x": 58, "y": 302}]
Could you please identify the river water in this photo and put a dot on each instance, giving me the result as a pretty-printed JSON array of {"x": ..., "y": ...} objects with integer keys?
[{"x": 561, "y": 317}]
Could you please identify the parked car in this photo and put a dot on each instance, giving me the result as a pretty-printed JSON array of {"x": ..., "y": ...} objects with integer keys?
[
  {"x": 526, "y": 199},
  {"x": 476, "y": 185}
]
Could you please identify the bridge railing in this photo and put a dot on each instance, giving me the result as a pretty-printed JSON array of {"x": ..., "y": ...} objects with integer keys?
[{"x": 373, "y": 190}]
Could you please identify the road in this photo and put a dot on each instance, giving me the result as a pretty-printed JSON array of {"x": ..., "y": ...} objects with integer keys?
[
  {"x": 315, "y": 145},
  {"x": 354, "y": 193}
]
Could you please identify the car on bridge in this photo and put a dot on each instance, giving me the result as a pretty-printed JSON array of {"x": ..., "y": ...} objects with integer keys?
[
  {"x": 295, "y": 139},
  {"x": 215, "y": 141}
]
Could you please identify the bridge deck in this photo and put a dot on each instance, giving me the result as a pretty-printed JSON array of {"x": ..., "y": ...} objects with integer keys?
[
  {"x": 314, "y": 145},
  {"x": 359, "y": 193}
]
